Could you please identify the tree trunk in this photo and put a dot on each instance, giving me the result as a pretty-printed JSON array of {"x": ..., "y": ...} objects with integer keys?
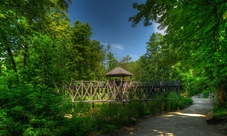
[
  {"x": 221, "y": 94},
  {"x": 10, "y": 55},
  {"x": 25, "y": 55},
  {"x": 12, "y": 59}
]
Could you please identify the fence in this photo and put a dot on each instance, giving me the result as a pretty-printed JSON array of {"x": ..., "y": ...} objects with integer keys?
[{"x": 118, "y": 91}]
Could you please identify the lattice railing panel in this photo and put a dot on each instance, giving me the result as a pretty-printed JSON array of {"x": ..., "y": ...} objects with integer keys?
[{"x": 91, "y": 91}]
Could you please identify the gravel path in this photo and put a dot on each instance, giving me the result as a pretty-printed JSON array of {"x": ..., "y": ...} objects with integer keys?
[{"x": 188, "y": 122}]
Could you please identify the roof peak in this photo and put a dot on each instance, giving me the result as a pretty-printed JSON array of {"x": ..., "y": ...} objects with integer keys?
[{"x": 118, "y": 71}]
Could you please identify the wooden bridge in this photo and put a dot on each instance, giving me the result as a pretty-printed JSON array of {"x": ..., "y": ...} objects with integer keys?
[{"x": 118, "y": 91}]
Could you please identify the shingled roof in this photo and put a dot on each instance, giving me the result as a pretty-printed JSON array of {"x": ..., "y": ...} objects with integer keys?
[{"x": 118, "y": 72}]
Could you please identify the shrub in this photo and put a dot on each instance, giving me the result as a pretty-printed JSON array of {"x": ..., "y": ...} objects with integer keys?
[
  {"x": 172, "y": 101},
  {"x": 75, "y": 126},
  {"x": 219, "y": 111},
  {"x": 156, "y": 105},
  {"x": 206, "y": 93},
  {"x": 105, "y": 117},
  {"x": 28, "y": 110},
  {"x": 185, "y": 101},
  {"x": 114, "y": 115},
  {"x": 136, "y": 108}
]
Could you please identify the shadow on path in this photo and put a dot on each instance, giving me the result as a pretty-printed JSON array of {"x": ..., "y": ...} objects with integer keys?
[{"x": 188, "y": 122}]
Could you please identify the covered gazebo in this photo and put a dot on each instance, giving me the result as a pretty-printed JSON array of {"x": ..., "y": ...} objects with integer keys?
[{"x": 118, "y": 72}]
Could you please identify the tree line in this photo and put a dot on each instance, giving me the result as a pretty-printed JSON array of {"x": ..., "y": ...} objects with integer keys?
[{"x": 43, "y": 47}]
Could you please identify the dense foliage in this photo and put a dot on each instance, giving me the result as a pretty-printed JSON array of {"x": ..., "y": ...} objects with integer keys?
[
  {"x": 195, "y": 37},
  {"x": 39, "y": 50}
]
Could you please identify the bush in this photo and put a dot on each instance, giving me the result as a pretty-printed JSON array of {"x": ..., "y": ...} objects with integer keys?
[
  {"x": 206, "y": 93},
  {"x": 136, "y": 108},
  {"x": 156, "y": 105},
  {"x": 185, "y": 101},
  {"x": 75, "y": 126},
  {"x": 172, "y": 101},
  {"x": 219, "y": 111},
  {"x": 28, "y": 110},
  {"x": 114, "y": 115}
]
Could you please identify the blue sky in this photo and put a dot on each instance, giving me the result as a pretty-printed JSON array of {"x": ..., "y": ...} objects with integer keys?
[{"x": 109, "y": 22}]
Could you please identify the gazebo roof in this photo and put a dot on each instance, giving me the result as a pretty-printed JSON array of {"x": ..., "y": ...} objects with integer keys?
[{"x": 118, "y": 72}]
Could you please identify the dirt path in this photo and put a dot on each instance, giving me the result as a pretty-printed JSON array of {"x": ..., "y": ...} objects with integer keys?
[{"x": 187, "y": 122}]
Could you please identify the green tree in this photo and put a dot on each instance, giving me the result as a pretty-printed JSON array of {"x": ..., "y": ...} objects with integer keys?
[
  {"x": 196, "y": 29},
  {"x": 124, "y": 62},
  {"x": 85, "y": 56},
  {"x": 111, "y": 61},
  {"x": 159, "y": 60},
  {"x": 18, "y": 22},
  {"x": 32, "y": 58}
]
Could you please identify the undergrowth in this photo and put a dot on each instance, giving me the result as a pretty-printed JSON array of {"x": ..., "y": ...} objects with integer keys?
[
  {"x": 219, "y": 111},
  {"x": 28, "y": 112}
]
